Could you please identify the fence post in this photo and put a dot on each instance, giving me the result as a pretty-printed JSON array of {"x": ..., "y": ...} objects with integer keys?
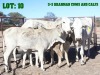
[
  {"x": 1, "y": 26},
  {"x": 95, "y": 35},
  {"x": 0, "y": 23},
  {"x": 23, "y": 20}
]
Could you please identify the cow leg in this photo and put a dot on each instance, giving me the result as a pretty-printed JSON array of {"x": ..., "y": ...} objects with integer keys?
[
  {"x": 82, "y": 52},
  {"x": 76, "y": 45},
  {"x": 76, "y": 48},
  {"x": 41, "y": 55},
  {"x": 7, "y": 58},
  {"x": 30, "y": 57},
  {"x": 24, "y": 58},
  {"x": 36, "y": 61},
  {"x": 89, "y": 40},
  {"x": 59, "y": 61},
  {"x": 52, "y": 57},
  {"x": 14, "y": 55},
  {"x": 31, "y": 63},
  {"x": 44, "y": 59},
  {"x": 66, "y": 48},
  {"x": 59, "y": 53},
  {"x": 66, "y": 57}
]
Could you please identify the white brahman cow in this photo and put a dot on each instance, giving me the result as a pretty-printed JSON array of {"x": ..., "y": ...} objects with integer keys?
[
  {"x": 29, "y": 38},
  {"x": 83, "y": 28},
  {"x": 50, "y": 25}
]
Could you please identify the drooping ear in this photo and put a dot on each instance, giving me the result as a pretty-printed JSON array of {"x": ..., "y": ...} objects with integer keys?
[{"x": 59, "y": 26}]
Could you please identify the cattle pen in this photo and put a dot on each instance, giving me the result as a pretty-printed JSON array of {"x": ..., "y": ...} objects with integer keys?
[
  {"x": 3, "y": 26},
  {"x": 90, "y": 68}
]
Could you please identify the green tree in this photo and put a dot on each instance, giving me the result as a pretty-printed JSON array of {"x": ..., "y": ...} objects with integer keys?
[
  {"x": 50, "y": 16},
  {"x": 2, "y": 14},
  {"x": 15, "y": 18},
  {"x": 15, "y": 15}
]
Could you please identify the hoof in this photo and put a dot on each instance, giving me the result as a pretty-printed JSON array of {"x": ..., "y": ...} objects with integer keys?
[
  {"x": 37, "y": 66},
  {"x": 82, "y": 63},
  {"x": 51, "y": 64},
  {"x": 31, "y": 65},
  {"x": 7, "y": 71},
  {"x": 10, "y": 69},
  {"x": 23, "y": 67},
  {"x": 58, "y": 66},
  {"x": 77, "y": 60},
  {"x": 87, "y": 58},
  {"x": 44, "y": 69},
  {"x": 69, "y": 65}
]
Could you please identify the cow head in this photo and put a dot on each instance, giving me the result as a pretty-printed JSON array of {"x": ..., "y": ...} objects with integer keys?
[
  {"x": 77, "y": 27},
  {"x": 82, "y": 27},
  {"x": 65, "y": 24},
  {"x": 56, "y": 37}
]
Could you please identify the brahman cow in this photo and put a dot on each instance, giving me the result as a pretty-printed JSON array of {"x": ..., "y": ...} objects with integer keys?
[
  {"x": 30, "y": 39},
  {"x": 83, "y": 28},
  {"x": 50, "y": 25}
]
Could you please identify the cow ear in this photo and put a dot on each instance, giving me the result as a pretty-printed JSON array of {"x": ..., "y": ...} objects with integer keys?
[
  {"x": 58, "y": 19},
  {"x": 59, "y": 26}
]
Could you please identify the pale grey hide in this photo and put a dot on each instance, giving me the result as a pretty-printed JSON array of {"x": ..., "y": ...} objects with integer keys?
[
  {"x": 49, "y": 25},
  {"x": 28, "y": 38}
]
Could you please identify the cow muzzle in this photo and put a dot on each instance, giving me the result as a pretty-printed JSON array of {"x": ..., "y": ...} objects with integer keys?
[
  {"x": 69, "y": 31},
  {"x": 78, "y": 39}
]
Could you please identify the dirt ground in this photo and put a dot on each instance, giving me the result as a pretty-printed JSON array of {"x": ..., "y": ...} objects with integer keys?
[{"x": 92, "y": 66}]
